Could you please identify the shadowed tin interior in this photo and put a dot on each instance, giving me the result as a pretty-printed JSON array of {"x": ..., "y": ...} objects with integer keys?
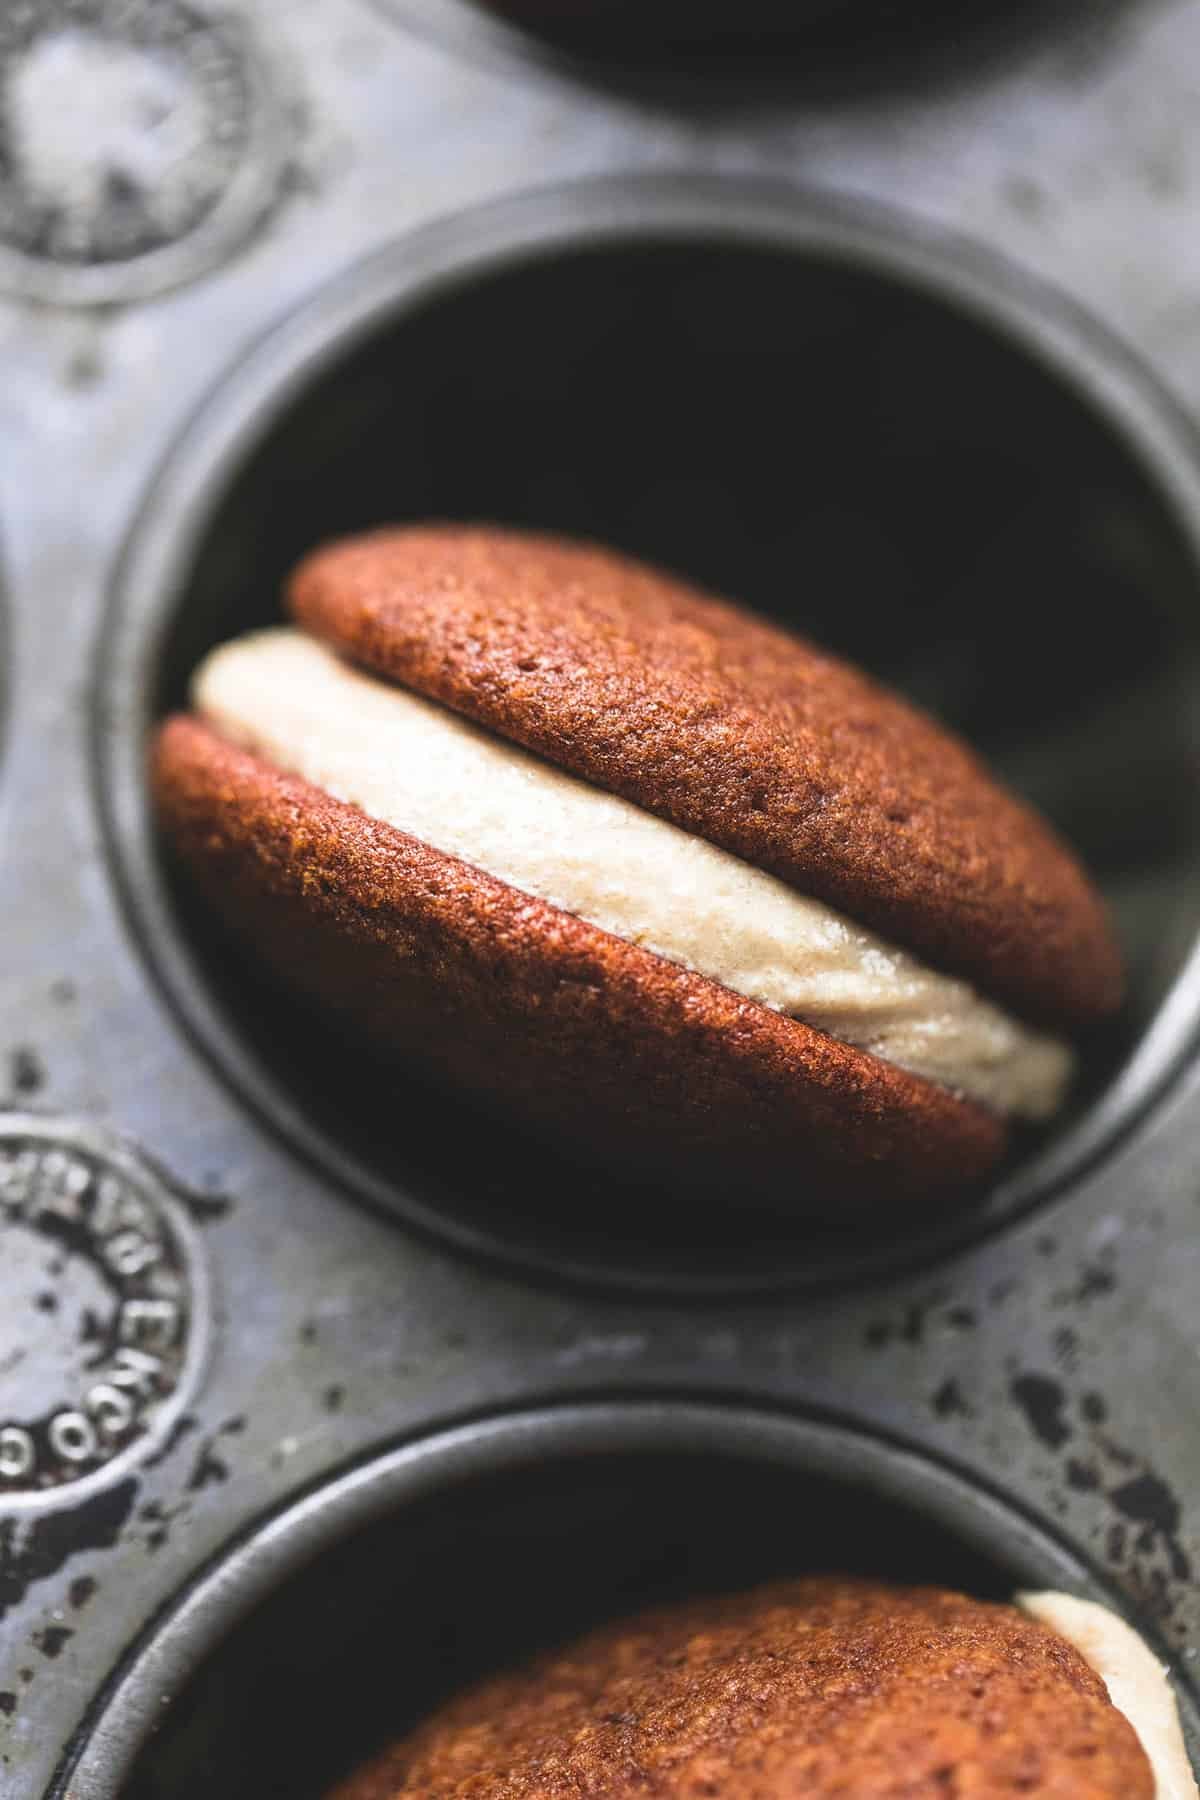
[
  {"x": 835, "y": 444},
  {"x": 707, "y": 55},
  {"x": 402, "y": 1582}
]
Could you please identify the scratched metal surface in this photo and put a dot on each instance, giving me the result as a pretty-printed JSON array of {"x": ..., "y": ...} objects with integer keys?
[{"x": 1054, "y": 1364}]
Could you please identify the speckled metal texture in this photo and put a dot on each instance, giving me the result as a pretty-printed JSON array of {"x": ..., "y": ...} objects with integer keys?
[{"x": 267, "y": 1371}]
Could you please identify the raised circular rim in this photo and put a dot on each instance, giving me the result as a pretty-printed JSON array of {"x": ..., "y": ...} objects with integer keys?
[
  {"x": 110, "y": 1737},
  {"x": 466, "y": 28},
  {"x": 155, "y": 1186},
  {"x": 1043, "y": 324},
  {"x": 224, "y": 229}
]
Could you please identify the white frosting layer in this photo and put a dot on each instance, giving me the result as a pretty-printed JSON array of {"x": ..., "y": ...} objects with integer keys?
[
  {"x": 466, "y": 792},
  {"x": 1136, "y": 1681}
]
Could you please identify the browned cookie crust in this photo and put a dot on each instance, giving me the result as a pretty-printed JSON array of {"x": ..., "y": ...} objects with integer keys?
[
  {"x": 606, "y": 1046},
  {"x": 817, "y": 1687},
  {"x": 736, "y": 731}
]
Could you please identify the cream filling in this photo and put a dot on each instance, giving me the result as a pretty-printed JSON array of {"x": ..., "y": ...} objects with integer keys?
[
  {"x": 472, "y": 795},
  {"x": 1136, "y": 1681}
]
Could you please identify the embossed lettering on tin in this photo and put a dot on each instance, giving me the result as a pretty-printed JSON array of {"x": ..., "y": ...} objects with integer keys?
[
  {"x": 137, "y": 141},
  {"x": 100, "y": 1338}
]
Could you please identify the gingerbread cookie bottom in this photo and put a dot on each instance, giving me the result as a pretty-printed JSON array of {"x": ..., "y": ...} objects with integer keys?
[{"x": 600, "y": 1045}]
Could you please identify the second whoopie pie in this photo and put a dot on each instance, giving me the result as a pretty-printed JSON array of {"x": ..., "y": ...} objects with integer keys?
[
  {"x": 651, "y": 875},
  {"x": 823, "y": 1686}
]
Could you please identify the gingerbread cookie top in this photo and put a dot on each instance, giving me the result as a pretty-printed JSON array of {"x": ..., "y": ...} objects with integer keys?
[
  {"x": 818, "y": 1686},
  {"x": 735, "y": 730}
]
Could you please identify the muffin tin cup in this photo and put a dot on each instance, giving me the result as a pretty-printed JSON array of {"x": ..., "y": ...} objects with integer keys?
[
  {"x": 624, "y": 1501},
  {"x": 212, "y": 544}
]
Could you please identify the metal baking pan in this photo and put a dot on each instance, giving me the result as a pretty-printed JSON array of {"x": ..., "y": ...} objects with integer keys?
[{"x": 304, "y": 1416}]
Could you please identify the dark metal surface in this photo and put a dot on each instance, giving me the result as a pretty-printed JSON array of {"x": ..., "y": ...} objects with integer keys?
[{"x": 1002, "y": 513}]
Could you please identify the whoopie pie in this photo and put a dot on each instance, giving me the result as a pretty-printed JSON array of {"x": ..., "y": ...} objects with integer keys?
[
  {"x": 822, "y": 1687},
  {"x": 644, "y": 872}
]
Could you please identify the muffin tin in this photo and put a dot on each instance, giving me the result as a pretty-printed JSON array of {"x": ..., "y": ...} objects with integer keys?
[{"x": 299, "y": 1424}]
